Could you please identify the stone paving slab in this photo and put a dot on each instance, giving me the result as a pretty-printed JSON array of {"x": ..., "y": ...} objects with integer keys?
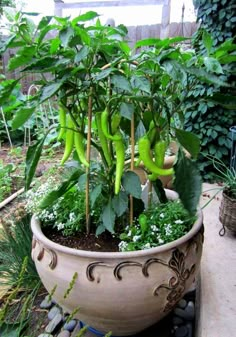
[{"x": 217, "y": 316}]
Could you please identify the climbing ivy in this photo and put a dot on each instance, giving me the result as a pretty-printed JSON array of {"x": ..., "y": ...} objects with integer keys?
[
  {"x": 211, "y": 121},
  {"x": 217, "y": 17}
]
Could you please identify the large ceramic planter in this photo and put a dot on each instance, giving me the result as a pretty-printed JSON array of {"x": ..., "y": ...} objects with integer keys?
[{"x": 120, "y": 292}]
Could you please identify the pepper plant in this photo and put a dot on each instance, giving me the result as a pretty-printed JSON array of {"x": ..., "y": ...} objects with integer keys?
[{"x": 116, "y": 108}]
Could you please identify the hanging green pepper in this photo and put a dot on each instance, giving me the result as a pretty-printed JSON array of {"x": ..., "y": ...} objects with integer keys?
[
  {"x": 144, "y": 146},
  {"x": 103, "y": 140},
  {"x": 69, "y": 141},
  {"x": 78, "y": 140},
  {"x": 159, "y": 155},
  {"x": 120, "y": 161},
  {"x": 115, "y": 122},
  {"x": 62, "y": 121},
  {"x": 105, "y": 127}
]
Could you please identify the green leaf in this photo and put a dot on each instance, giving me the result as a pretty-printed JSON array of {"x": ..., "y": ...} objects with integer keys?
[
  {"x": 189, "y": 141},
  {"x": 100, "y": 229},
  {"x": 188, "y": 182},
  {"x": 132, "y": 184},
  {"x": 120, "y": 203},
  {"x": 6, "y": 89},
  {"x": 23, "y": 57},
  {"x": 120, "y": 82},
  {"x": 32, "y": 158},
  {"x": 207, "y": 41},
  {"x": 90, "y": 15},
  {"x": 22, "y": 115},
  {"x": 62, "y": 189},
  {"x": 65, "y": 36},
  {"x": 95, "y": 194},
  {"x": 49, "y": 90},
  {"x": 108, "y": 217},
  {"x": 102, "y": 74},
  {"x": 82, "y": 54},
  {"x": 140, "y": 82},
  {"x": 227, "y": 101},
  {"x": 43, "y": 64},
  {"x": 158, "y": 42},
  {"x": 44, "y": 22},
  {"x": 212, "y": 65},
  {"x": 127, "y": 110},
  {"x": 160, "y": 192}
]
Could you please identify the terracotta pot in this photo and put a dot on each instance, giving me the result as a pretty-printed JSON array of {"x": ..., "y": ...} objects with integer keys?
[{"x": 120, "y": 292}]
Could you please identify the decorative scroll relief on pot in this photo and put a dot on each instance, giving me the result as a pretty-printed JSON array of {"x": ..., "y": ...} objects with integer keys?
[{"x": 182, "y": 266}]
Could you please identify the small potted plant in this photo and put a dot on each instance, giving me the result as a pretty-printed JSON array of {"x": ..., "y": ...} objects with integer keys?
[{"x": 116, "y": 109}]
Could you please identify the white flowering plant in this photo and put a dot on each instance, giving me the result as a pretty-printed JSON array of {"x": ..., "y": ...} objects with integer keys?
[{"x": 157, "y": 226}]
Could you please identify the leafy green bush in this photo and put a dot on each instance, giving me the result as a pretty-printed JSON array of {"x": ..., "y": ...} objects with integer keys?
[
  {"x": 157, "y": 226},
  {"x": 218, "y": 18},
  {"x": 215, "y": 37},
  {"x": 5, "y": 179}
]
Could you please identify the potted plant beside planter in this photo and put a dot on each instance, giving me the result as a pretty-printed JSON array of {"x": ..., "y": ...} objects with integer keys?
[{"x": 115, "y": 108}]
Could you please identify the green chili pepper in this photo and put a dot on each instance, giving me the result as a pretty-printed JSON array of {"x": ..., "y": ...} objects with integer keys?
[
  {"x": 103, "y": 140},
  {"x": 69, "y": 140},
  {"x": 115, "y": 122},
  {"x": 152, "y": 133},
  {"x": 120, "y": 161},
  {"x": 144, "y": 146},
  {"x": 79, "y": 146},
  {"x": 105, "y": 127},
  {"x": 143, "y": 223},
  {"x": 159, "y": 155},
  {"x": 62, "y": 121}
]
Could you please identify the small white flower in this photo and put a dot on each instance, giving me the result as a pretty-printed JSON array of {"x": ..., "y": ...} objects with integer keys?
[
  {"x": 168, "y": 229},
  {"x": 129, "y": 233},
  {"x": 160, "y": 241},
  {"x": 162, "y": 215},
  {"x": 178, "y": 222},
  {"x": 147, "y": 246},
  {"x": 123, "y": 245},
  {"x": 60, "y": 226},
  {"x": 136, "y": 238}
]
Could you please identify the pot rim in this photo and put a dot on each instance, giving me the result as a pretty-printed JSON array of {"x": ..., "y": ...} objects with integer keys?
[{"x": 38, "y": 235}]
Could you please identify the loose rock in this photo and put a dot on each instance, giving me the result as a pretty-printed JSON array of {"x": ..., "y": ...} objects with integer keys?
[
  {"x": 177, "y": 320},
  {"x": 70, "y": 325},
  {"x": 54, "y": 324},
  {"x": 182, "y": 304},
  {"x": 190, "y": 329},
  {"x": 53, "y": 312},
  {"x": 190, "y": 310},
  {"x": 182, "y": 331},
  {"x": 64, "y": 333},
  {"x": 46, "y": 303}
]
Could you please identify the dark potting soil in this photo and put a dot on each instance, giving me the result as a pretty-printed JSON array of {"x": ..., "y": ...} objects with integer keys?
[{"x": 105, "y": 242}]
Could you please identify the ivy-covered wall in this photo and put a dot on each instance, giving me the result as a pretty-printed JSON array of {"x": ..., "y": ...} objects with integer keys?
[{"x": 210, "y": 121}]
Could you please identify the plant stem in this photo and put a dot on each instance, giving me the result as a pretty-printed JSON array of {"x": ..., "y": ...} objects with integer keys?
[
  {"x": 88, "y": 159},
  {"x": 132, "y": 140}
]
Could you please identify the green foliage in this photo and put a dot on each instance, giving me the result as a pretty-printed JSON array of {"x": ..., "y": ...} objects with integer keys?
[
  {"x": 5, "y": 179},
  {"x": 226, "y": 175},
  {"x": 217, "y": 18},
  {"x": 156, "y": 226},
  {"x": 15, "y": 245},
  {"x": 92, "y": 72},
  {"x": 209, "y": 110}
]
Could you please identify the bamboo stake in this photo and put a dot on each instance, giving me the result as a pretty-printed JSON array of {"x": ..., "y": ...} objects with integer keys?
[
  {"x": 132, "y": 140},
  {"x": 6, "y": 127},
  {"x": 88, "y": 218}
]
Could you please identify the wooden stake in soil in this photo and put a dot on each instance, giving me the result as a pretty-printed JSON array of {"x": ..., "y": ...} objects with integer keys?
[
  {"x": 88, "y": 159},
  {"x": 132, "y": 141}
]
